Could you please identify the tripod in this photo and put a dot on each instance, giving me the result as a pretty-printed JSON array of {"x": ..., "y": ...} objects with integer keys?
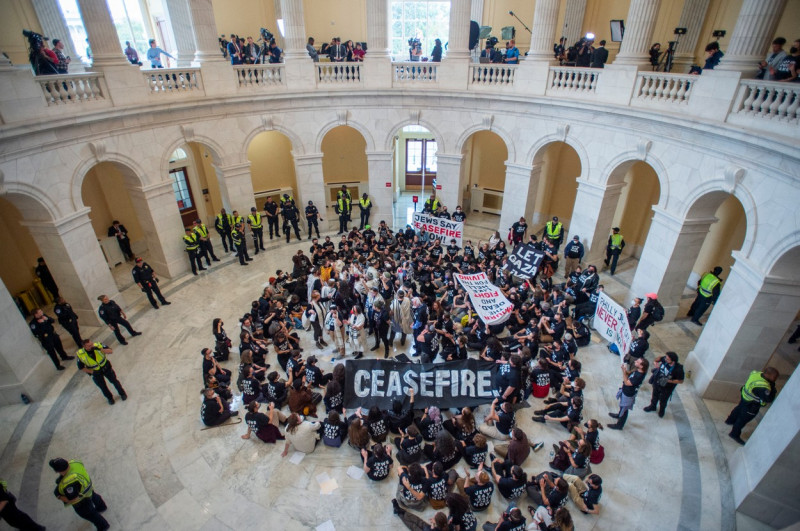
[{"x": 667, "y": 58}]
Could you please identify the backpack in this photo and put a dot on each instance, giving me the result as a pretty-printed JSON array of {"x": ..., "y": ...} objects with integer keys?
[{"x": 658, "y": 311}]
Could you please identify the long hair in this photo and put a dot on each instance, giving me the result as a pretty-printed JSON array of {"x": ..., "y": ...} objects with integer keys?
[{"x": 293, "y": 423}]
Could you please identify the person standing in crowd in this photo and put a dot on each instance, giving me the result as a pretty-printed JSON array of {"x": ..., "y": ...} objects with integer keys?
[
  {"x": 74, "y": 488},
  {"x": 436, "y": 53},
  {"x": 402, "y": 318},
  {"x": 343, "y": 211},
  {"x": 92, "y": 359},
  {"x": 154, "y": 54},
  {"x": 235, "y": 50},
  {"x": 42, "y": 327},
  {"x": 667, "y": 375},
  {"x": 631, "y": 381},
  {"x": 365, "y": 204},
  {"x": 290, "y": 217},
  {"x": 312, "y": 52},
  {"x": 271, "y": 210},
  {"x": 518, "y": 230},
  {"x": 147, "y": 280},
  {"x": 616, "y": 243},
  {"x": 192, "y": 247},
  {"x": 206, "y": 248},
  {"x": 653, "y": 312},
  {"x": 312, "y": 218},
  {"x": 600, "y": 56},
  {"x": 382, "y": 324},
  {"x": 770, "y": 63},
  {"x": 257, "y": 229},
  {"x": 132, "y": 54},
  {"x": 634, "y": 312},
  {"x": 113, "y": 316},
  {"x": 240, "y": 244},
  {"x": 12, "y": 515},
  {"x": 68, "y": 319},
  {"x": 573, "y": 254},
  {"x": 708, "y": 288},
  {"x": 118, "y": 231},
  {"x": 758, "y": 391},
  {"x": 43, "y": 272},
  {"x": 224, "y": 225},
  {"x": 554, "y": 232}
]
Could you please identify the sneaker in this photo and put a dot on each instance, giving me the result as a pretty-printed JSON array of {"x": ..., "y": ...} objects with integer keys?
[{"x": 538, "y": 446}]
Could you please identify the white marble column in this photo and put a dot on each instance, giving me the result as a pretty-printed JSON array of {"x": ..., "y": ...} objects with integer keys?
[
  {"x": 450, "y": 177},
  {"x": 378, "y": 61},
  {"x": 592, "y": 217},
  {"x": 70, "y": 248},
  {"x": 54, "y": 26},
  {"x": 669, "y": 254},
  {"x": 236, "y": 183},
  {"x": 160, "y": 219},
  {"x": 294, "y": 29},
  {"x": 752, "y": 35},
  {"x": 311, "y": 187},
  {"x": 543, "y": 31},
  {"x": 381, "y": 174},
  {"x": 103, "y": 38},
  {"x": 518, "y": 199},
  {"x": 205, "y": 32},
  {"x": 458, "y": 47},
  {"x": 180, "y": 20},
  {"x": 476, "y": 14},
  {"x": 573, "y": 20},
  {"x": 692, "y": 17},
  {"x": 639, "y": 27}
]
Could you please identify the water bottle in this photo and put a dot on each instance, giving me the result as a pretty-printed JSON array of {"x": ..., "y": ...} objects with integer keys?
[
  {"x": 552, "y": 454},
  {"x": 25, "y": 399}
]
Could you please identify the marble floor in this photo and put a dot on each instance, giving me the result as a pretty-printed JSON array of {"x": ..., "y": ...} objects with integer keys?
[{"x": 157, "y": 470}]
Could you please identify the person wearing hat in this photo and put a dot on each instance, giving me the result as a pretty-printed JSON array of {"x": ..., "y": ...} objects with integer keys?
[
  {"x": 239, "y": 241},
  {"x": 667, "y": 374},
  {"x": 708, "y": 288},
  {"x": 758, "y": 391},
  {"x": 652, "y": 312},
  {"x": 224, "y": 225},
  {"x": 365, "y": 204},
  {"x": 42, "y": 327},
  {"x": 616, "y": 243},
  {"x": 342, "y": 208},
  {"x": 312, "y": 218},
  {"x": 205, "y": 241},
  {"x": 74, "y": 487},
  {"x": 271, "y": 210},
  {"x": 113, "y": 316},
  {"x": 192, "y": 246},
  {"x": 290, "y": 216},
  {"x": 257, "y": 228},
  {"x": 147, "y": 280},
  {"x": 92, "y": 359},
  {"x": 554, "y": 232},
  {"x": 573, "y": 254}
]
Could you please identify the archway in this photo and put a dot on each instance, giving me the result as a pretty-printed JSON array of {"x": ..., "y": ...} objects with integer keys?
[
  {"x": 194, "y": 177},
  {"x": 483, "y": 170},
  {"x": 414, "y": 169},
  {"x": 344, "y": 162},
  {"x": 556, "y": 168},
  {"x": 272, "y": 167}
]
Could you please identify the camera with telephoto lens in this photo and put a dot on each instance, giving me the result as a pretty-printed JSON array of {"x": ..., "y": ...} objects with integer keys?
[
  {"x": 491, "y": 42},
  {"x": 35, "y": 40},
  {"x": 266, "y": 35}
]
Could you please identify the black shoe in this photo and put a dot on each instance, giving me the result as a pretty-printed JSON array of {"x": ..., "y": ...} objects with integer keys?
[
  {"x": 492, "y": 457},
  {"x": 234, "y": 413},
  {"x": 550, "y": 401},
  {"x": 614, "y": 415},
  {"x": 165, "y": 303},
  {"x": 155, "y": 307},
  {"x": 263, "y": 249},
  {"x": 215, "y": 259},
  {"x": 67, "y": 358},
  {"x": 318, "y": 345},
  {"x": 202, "y": 268},
  {"x": 123, "y": 342},
  {"x": 373, "y": 349},
  {"x": 134, "y": 334},
  {"x": 386, "y": 354},
  {"x": 614, "y": 426},
  {"x": 538, "y": 419},
  {"x": 661, "y": 414},
  {"x": 539, "y": 412},
  {"x": 323, "y": 342},
  {"x": 111, "y": 401},
  {"x": 737, "y": 439},
  {"x": 649, "y": 409},
  {"x": 124, "y": 396},
  {"x": 399, "y": 511},
  {"x": 698, "y": 323},
  {"x": 194, "y": 273},
  {"x": 538, "y": 446},
  {"x": 257, "y": 250},
  {"x": 729, "y": 422},
  {"x": 358, "y": 356},
  {"x": 556, "y": 448},
  {"x": 60, "y": 367},
  {"x": 249, "y": 259}
]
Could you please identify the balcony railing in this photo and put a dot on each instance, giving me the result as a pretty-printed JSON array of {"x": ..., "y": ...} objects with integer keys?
[
  {"x": 565, "y": 80},
  {"x": 488, "y": 75},
  {"x": 338, "y": 73},
  {"x": 664, "y": 88},
  {"x": 260, "y": 76},
  {"x": 72, "y": 88},
  {"x": 415, "y": 72},
  {"x": 173, "y": 80},
  {"x": 768, "y": 100}
]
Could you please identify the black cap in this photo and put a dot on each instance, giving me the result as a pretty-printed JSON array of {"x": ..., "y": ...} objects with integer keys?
[{"x": 59, "y": 464}]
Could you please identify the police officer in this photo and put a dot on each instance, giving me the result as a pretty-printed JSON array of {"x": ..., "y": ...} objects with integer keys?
[
  {"x": 431, "y": 205},
  {"x": 707, "y": 294},
  {"x": 205, "y": 241},
  {"x": 92, "y": 359},
  {"x": 257, "y": 228},
  {"x": 343, "y": 211},
  {"x": 347, "y": 197},
  {"x": 44, "y": 275},
  {"x": 758, "y": 391},
  {"x": 286, "y": 198},
  {"x": 365, "y": 204},
  {"x": 12, "y": 515},
  {"x": 68, "y": 319},
  {"x": 290, "y": 215},
  {"x": 192, "y": 246},
  {"x": 74, "y": 488},
  {"x": 42, "y": 327},
  {"x": 240, "y": 243},
  {"x": 113, "y": 316},
  {"x": 312, "y": 218},
  {"x": 554, "y": 231},
  {"x": 147, "y": 280},
  {"x": 224, "y": 226},
  {"x": 271, "y": 209},
  {"x": 616, "y": 243}
]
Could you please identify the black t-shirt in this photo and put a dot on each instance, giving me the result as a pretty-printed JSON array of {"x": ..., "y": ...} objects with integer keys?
[
  {"x": 480, "y": 496},
  {"x": 508, "y": 376},
  {"x": 377, "y": 429},
  {"x": 250, "y": 389},
  {"x": 591, "y": 497},
  {"x": 207, "y": 366},
  {"x": 412, "y": 446},
  {"x": 209, "y": 412},
  {"x": 580, "y": 459},
  {"x": 505, "y": 423},
  {"x": 474, "y": 456},
  {"x": 379, "y": 468},
  {"x": 466, "y": 522},
  {"x": 313, "y": 375},
  {"x": 636, "y": 380},
  {"x": 508, "y": 525},
  {"x": 436, "y": 488},
  {"x": 333, "y": 431},
  {"x": 429, "y": 429},
  {"x": 256, "y": 421},
  {"x": 334, "y": 401},
  {"x": 511, "y": 488},
  {"x": 405, "y": 493}
]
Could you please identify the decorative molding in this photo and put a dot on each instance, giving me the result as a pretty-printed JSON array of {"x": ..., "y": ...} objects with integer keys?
[
  {"x": 188, "y": 132},
  {"x": 487, "y": 121},
  {"x": 733, "y": 176},
  {"x": 414, "y": 116},
  {"x": 268, "y": 122},
  {"x": 562, "y": 131},
  {"x": 98, "y": 149},
  {"x": 341, "y": 116},
  {"x": 643, "y": 148}
]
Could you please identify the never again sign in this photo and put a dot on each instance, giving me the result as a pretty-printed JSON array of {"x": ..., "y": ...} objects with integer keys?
[
  {"x": 453, "y": 384},
  {"x": 487, "y": 299}
]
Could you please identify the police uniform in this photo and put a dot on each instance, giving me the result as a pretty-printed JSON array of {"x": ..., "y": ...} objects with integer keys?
[
  {"x": 12, "y": 515},
  {"x": 257, "y": 228},
  {"x": 224, "y": 226},
  {"x": 76, "y": 487},
  {"x": 48, "y": 282},
  {"x": 616, "y": 243},
  {"x": 144, "y": 276},
  {"x": 707, "y": 294},
  {"x": 95, "y": 360},
  {"x": 51, "y": 343},
  {"x": 290, "y": 215},
  {"x": 431, "y": 205},
  {"x": 554, "y": 231},
  {"x": 271, "y": 208},
  {"x": 312, "y": 218},
  {"x": 69, "y": 321},
  {"x": 343, "y": 211},
  {"x": 240, "y": 243},
  {"x": 366, "y": 206},
  {"x": 756, "y": 392},
  {"x": 111, "y": 314},
  {"x": 204, "y": 240},
  {"x": 192, "y": 246}
]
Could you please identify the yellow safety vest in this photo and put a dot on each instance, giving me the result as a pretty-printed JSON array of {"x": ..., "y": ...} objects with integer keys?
[
  {"x": 365, "y": 203},
  {"x": 616, "y": 241},
  {"x": 236, "y": 236},
  {"x": 94, "y": 361},
  {"x": 433, "y": 205},
  {"x": 190, "y": 241},
  {"x": 754, "y": 381},
  {"x": 707, "y": 285},
  {"x": 201, "y": 231},
  {"x": 219, "y": 223},
  {"x": 76, "y": 472},
  {"x": 236, "y": 220},
  {"x": 553, "y": 232},
  {"x": 285, "y": 199},
  {"x": 255, "y": 220},
  {"x": 343, "y": 205}
]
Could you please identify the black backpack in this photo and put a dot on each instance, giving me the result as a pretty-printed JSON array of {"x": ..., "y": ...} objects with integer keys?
[{"x": 658, "y": 311}]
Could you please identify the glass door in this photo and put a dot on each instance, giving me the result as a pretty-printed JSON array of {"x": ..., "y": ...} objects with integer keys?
[{"x": 183, "y": 196}]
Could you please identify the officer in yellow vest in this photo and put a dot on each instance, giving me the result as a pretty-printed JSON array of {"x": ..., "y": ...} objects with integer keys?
[
  {"x": 554, "y": 231},
  {"x": 205, "y": 241},
  {"x": 224, "y": 226},
  {"x": 240, "y": 243},
  {"x": 74, "y": 488},
  {"x": 192, "y": 246},
  {"x": 708, "y": 288},
  {"x": 616, "y": 242},
  {"x": 343, "y": 211},
  {"x": 758, "y": 391},
  {"x": 366, "y": 206},
  {"x": 237, "y": 219},
  {"x": 431, "y": 205},
  {"x": 11, "y": 514},
  {"x": 257, "y": 228},
  {"x": 92, "y": 359}
]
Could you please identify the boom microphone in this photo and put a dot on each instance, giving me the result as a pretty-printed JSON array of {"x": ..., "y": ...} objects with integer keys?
[{"x": 511, "y": 13}]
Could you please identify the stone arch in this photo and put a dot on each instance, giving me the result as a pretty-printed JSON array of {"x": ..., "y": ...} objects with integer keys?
[
  {"x": 298, "y": 148},
  {"x": 499, "y": 131},
  {"x": 30, "y": 201},
  {"x": 437, "y": 135},
  {"x": 130, "y": 169},
  {"x": 785, "y": 256},
  {"x": 614, "y": 172},
  {"x": 537, "y": 151},
  {"x": 213, "y": 145},
  {"x": 361, "y": 128}
]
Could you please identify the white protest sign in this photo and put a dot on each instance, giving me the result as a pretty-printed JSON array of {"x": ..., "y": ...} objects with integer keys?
[
  {"x": 440, "y": 228},
  {"x": 487, "y": 299},
  {"x": 611, "y": 321}
]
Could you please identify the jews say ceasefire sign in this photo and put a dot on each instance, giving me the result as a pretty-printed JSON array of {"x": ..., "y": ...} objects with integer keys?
[
  {"x": 440, "y": 228},
  {"x": 487, "y": 299},
  {"x": 611, "y": 321}
]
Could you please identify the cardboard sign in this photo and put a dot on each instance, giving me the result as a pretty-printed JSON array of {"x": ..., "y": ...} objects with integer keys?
[
  {"x": 611, "y": 321},
  {"x": 492, "y": 306},
  {"x": 440, "y": 228},
  {"x": 524, "y": 261}
]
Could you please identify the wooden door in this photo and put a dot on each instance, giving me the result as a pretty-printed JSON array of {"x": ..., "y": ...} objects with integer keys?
[{"x": 183, "y": 196}]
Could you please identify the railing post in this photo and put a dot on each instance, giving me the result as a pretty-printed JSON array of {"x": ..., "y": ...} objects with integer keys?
[
  {"x": 713, "y": 94},
  {"x": 617, "y": 84}
]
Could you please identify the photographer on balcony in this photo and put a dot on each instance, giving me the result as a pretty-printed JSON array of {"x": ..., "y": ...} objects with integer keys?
[
  {"x": 43, "y": 60},
  {"x": 585, "y": 51}
]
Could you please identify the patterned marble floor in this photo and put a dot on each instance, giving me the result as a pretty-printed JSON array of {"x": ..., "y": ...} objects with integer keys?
[{"x": 157, "y": 470}]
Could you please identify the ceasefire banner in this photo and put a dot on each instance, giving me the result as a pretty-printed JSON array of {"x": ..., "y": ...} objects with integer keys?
[
  {"x": 445, "y": 385},
  {"x": 442, "y": 229},
  {"x": 524, "y": 261},
  {"x": 492, "y": 306},
  {"x": 611, "y": 321}
]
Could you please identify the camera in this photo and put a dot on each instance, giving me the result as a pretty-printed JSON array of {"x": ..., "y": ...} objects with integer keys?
[
  {"x": 35, "y": 40},
  {"x": 414, "y": 42},
  {"x": 266, "y": 35},
  {"x": 491, "y": 42}
]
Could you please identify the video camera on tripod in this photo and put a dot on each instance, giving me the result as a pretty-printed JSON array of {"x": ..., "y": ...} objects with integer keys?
[
  {"x": 265, "y": 39},
  {"x": 39, "y": 62}
]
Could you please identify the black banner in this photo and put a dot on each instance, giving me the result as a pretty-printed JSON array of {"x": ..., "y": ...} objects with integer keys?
[
  {"x": 445, "y": 385},
  {"x": 524, "y": 261}
]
